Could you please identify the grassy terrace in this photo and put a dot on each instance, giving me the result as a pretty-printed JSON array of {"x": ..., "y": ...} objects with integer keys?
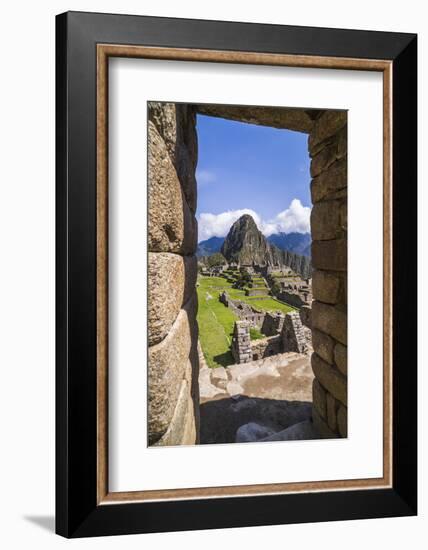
[{"x": 216, "y": 321}]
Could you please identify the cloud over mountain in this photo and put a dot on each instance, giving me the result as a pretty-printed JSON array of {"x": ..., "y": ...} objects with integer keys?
[{"x": 295, "y": 219}]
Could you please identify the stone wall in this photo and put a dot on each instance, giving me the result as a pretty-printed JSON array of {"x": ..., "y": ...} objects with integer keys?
[
  {"x": 241, "y": 343},
  {"x": 265, "y": 347},
  {"x": 173, "y": 358},
  {"x": 272, "y": 323},
  {"x": 305, "y": 313},
  {"x": 328, "y": 152},
  {"x": 173, "y": 394},
  {"x": 243, "y": 311},
  {"x": 294, "y": 336}
]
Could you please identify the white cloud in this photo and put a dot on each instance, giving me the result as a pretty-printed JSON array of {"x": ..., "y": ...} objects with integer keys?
[
  {"x": 218, "y": 225},
  {"x": 205, "y": 176},
  {"x": 296, "y": 218}
]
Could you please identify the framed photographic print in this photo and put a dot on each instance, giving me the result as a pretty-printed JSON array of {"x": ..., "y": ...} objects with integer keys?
[{"x": 236, "y": 274}]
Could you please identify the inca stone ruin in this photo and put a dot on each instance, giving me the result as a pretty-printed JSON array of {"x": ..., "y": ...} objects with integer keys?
[{"x": 275, "y": 363}]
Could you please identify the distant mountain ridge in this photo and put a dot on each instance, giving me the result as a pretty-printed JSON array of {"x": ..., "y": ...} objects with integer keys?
[
  {"x": 210, "y": 246},
  {"x": 245, "y": 244},
  {"x": 299, "y": 243}
]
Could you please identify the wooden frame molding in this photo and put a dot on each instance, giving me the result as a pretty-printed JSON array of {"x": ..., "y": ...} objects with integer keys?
[{"x": 104, "y": 51}]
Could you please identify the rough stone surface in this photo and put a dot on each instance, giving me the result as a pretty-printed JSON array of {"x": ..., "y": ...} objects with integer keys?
[
  {"x": 326, "y": 125},
  {"x": 292, "y": 119},
  {"x": 341, "y": 358},
  {"x": 252, "y": 432},
  {"x": 342, "y": 421},
  {"x": 322, "y": 427},
  {"x": 241, "y": 343},
  {"x": 306, "y": 316},
  {"x": 176, "y": 124},
  {"x": 326, "y": 221},
  {"x": 323, "y": 344},
  {"x": 331, "y": 412},
  {"x": 167, "y": 365},
  {"x": 294, "y": 337},
  {"x": 330, "y": 150},
  {"x": 263, "y": 347},
  {"x": 327, "y": 184},
  {"x": 330, "y": 255},
  {"x": 171, "y": 281},
  {"x": 325, "y": 286},
  {"x": 218, "y": 374},
  {"x": 221, "y": 418},
  {"x": 331, "y": 320},
  {"x": 181, "y": 430},
  {"x": 330, "y": 378},
  {"x": 301, "y": 431},
  {"x": 172, "y": 225},
  {"x": 207, "y": 389},
  {"x": 319, "y": 398}
]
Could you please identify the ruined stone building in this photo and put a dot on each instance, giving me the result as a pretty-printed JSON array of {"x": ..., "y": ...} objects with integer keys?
[{"x": 173, "y": 400}]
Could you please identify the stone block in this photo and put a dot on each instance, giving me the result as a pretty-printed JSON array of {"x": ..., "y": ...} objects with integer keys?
[
  {"x": 332, "y": 406},
  {"x": 341, "y": 358},
  {"x": 325, "y": 286},
  {"x": 182, "y": 428},
  {"x": 172, "y": 225},
  {"x": 343, "y": 292},
  {"x": 319, "y": 398},
  {"x": 331, "y": 320},
  {"x": 342, "y": 142},
  {"x": 329, "y": 377},
  {"x": 330, "y": 255},
  {"x": 321, "y": 426},
  {"x": 176, "y": 124},
  {"x": 328, "y": 183},
  {"x": 166, "y": 369},
  {"x": 218, "y": 374},
  {"x": 342, "y": 421},
  {"x": 326, "y": 221},
  {"x": 171, "y": 282},
  {"x": 328, "y": 124},
  {"x": 322, "y": 160},
  {"x": 343, "y": 215},
  {"x": 323, "y": 344}
]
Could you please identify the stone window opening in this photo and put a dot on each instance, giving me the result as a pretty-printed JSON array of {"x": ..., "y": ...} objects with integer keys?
[{"x": 173, "y": 398}]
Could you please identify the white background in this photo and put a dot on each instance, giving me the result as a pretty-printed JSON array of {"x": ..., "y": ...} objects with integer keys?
[
  {"x": 27, "y": 274},
  {"x": 132, "y": 83}
]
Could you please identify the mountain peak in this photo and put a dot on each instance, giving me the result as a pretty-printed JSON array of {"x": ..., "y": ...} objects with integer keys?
[
  {"x": 246, "y": 220},
  {"x": 246, "y": 245}
]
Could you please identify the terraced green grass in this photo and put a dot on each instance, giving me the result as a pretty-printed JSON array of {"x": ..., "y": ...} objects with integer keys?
[
  {"x": 216, "y": 321},
  {"x": 215, "y": 324}
]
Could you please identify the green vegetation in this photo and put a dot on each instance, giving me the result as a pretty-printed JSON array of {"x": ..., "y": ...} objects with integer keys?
[
  {"x": 216, "y": 259},
  {"x": 268, "y": 304},
  {"x": 255, "y": 334},
  {"x": 216, "y": 321},
  {"x": 275, "y": 288}
]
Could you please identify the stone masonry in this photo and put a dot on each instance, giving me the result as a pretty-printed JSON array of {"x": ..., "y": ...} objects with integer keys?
[
  {"x": 172, "y": 236},
  {"x": 173, "y": 394},
  {"x": 293, "y": 334},
  {"x": 241, "y": 343},
  {"x": 328, "y": 151},
  {"x": 293, "y": 337}
]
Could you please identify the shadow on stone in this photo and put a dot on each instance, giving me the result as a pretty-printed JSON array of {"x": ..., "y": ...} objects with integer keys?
[
  {"x": 224, "y": 359},
  {"x": 221, "y": 418}
]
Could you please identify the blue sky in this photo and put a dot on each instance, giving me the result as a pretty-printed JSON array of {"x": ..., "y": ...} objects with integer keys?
[{"x": 245, "y": 167}]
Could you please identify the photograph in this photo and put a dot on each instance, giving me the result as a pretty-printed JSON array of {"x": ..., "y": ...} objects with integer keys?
[{"x": 247, "y": 335}]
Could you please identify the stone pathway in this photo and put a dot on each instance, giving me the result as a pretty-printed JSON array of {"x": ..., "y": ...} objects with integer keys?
[{"x": 262, "y": 400}]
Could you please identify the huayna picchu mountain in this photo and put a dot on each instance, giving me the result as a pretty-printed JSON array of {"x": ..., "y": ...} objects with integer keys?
[{"x": 245, "y": 244}]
